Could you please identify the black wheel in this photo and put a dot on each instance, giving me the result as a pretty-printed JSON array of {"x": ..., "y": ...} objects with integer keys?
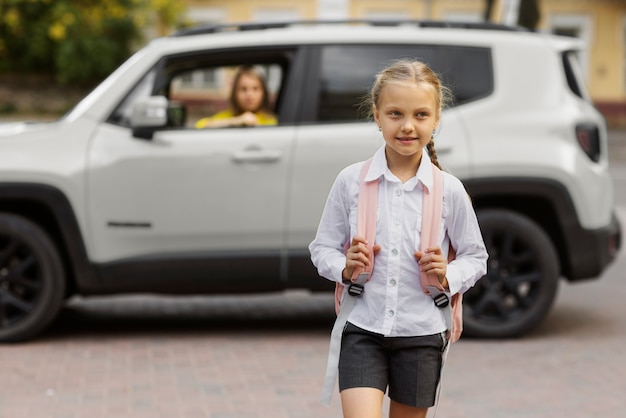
[
  {"x": 521, "y": 282},
  {"x": 32, "y": 283}
]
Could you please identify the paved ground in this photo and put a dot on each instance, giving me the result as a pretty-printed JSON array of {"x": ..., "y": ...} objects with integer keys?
[
  {"x": 263, "y": 356},
  {"x": 173, "y": 357},
  {"x": 245, "y": 357}
]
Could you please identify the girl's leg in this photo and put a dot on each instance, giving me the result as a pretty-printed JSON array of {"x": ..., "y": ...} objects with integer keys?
[
  {"x": 398, "y": 410},
  {"x": 362, "y": 403},
  {"x": 415, "y": 368}
]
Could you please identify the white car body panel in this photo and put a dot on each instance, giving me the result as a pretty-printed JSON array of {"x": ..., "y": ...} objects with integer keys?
[{"x": 199, "y": 190}]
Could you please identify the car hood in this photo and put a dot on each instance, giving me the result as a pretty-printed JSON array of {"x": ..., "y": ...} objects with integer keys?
[{"x": 10, "y": 129}]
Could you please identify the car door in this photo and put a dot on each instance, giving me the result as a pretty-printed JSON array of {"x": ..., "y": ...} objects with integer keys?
[{"x": 190, "y": 205}]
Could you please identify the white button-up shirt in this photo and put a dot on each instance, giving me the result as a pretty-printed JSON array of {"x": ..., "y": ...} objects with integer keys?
[{"x": 393, "y": 302}]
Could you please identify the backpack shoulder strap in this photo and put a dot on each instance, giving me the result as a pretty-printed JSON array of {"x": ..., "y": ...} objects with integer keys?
[
  {"x": 367, "y": 208},
  {"x": 366, "y": 215},
  {"x": 432, "y": 212}
]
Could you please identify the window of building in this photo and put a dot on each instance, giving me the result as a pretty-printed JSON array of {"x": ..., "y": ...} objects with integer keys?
[{"x": 578, "y": 26}]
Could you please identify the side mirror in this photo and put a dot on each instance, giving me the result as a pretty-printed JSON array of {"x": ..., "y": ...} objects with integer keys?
[
  {"x": 154, "y": 112},
  {"x": 148, "y": 113}
]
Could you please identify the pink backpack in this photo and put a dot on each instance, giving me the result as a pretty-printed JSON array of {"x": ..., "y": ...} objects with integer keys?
[{"x": 432, "y": 212}]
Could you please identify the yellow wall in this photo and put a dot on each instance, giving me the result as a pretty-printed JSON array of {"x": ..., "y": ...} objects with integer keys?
[
  {"x": 360, "y": 9},
  {"x": 412, "y": 9},
  {"x": 443, "y": 7},
  {"x": 607, "y": 70},
  {"x": 606, "y": 51},
  {"x": 237, "y": 11}
]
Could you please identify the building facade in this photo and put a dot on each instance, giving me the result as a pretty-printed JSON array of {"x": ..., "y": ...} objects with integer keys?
[{"x": 601, "y": 24}]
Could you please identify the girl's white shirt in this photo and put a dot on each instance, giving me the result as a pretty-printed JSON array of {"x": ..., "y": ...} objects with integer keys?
[{"x": 393, "y": 302}]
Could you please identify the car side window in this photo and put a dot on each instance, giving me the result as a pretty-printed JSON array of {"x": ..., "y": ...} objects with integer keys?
[
  {"x": 574, "y": 74},
  {"x": 199, "y": 86},
  {"x": 347, "y": 71},
  {"x": 229, "y": 95}
]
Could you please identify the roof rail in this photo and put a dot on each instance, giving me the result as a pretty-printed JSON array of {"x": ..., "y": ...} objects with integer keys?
[{"x": 239, "y": 27}]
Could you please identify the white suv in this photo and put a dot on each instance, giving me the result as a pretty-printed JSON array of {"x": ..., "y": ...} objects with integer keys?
[{"x": 123, "y": 194}]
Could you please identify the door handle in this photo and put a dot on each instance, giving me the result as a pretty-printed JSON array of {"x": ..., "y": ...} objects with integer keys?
[{"x": 257, "y": 155}]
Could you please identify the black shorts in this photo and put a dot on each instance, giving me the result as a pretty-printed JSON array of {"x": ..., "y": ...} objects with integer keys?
[{"x": 409, "y": 366}]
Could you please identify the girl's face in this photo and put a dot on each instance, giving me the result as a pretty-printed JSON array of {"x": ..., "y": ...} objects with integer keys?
[
  {"x": 249, "y": 93},
  {"x": 407, "y": 114}
]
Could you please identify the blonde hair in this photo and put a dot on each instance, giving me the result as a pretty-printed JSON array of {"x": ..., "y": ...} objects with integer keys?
[{"x": 411, "y": 71}]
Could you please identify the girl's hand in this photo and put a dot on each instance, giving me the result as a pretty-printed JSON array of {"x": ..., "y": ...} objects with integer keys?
[
  {"x": 433, "y": 262},
  {"x": 357, "y": 256},
  {"x": 248, "y": 119}
]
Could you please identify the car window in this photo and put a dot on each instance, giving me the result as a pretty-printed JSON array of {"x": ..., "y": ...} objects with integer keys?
[
  {"x": 201, "y": 83},
  {"x": 574, "y": 74},
  {"x": 206, "y": 92},
  {"x": 347, "y": 71}
]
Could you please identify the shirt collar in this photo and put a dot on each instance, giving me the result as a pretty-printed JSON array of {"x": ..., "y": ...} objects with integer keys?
[
  {"x": 425, "y": 171},
  {"x": 379, "y": 167}
]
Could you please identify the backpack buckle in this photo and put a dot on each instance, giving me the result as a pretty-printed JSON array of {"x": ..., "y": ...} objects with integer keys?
[
  {"x": 355, "y": 289},
  {"x": 441, "y": 300}
]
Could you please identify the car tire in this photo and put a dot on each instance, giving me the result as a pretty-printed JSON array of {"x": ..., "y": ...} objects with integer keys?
[
  {"x": 32, "y": 282},
  {"x": 522, "y": 278}
]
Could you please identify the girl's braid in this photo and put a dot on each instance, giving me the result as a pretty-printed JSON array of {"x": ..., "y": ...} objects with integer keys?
[{"x": 430, "y": 147}]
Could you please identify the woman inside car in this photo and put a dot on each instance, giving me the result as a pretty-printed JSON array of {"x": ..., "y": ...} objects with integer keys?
[{"x": 249, "y": 102}]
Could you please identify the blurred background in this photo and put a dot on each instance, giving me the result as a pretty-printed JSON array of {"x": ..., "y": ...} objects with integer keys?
[
  {"x": 52, "y": 52},
  {"x": 258, "y": 356}
]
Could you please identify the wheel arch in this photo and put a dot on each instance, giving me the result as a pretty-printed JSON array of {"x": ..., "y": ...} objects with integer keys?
[
  {"x": 545, "y": 202},
  {"x": 51, "y": 210}
]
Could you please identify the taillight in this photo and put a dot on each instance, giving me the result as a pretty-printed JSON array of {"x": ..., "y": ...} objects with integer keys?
[{"x": 588, "y": 136}]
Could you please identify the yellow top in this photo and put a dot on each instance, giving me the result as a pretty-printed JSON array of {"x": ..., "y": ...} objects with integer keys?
[{"x": 263, "y": 118}]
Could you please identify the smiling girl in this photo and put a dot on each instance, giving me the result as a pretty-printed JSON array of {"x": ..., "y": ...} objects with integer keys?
[{"x": 395, "y": 336}]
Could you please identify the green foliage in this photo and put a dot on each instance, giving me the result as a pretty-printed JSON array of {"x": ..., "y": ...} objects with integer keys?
[
  {"x": 78, "y": 41},
  {"x": 24, "y": 43}
]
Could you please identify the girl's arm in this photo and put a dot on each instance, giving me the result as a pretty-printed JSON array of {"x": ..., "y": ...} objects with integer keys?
[
  {"x": 328, "y": 247},
  {"x": 463, "y": 230},
  {"x": 333, "y": 238},
  {"x": 219, "y": 121}
]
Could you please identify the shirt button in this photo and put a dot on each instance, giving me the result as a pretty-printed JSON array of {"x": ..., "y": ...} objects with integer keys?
[
  {"x": 394, "y": 251},
  {"x": 396, "y": 222},
  {"x": 398, "y": 192},
  {"x": 390, "y": 312},
  {"x": 392, "y": 282}
]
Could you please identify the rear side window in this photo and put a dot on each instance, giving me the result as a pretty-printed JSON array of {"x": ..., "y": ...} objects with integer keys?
[
  {"x": 574, "y": 74},
  {"x": 347, "y": 72}
]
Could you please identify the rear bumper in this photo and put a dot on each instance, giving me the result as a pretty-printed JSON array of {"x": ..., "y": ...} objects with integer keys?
[
  {"x": 593, "y": 250},
  {"x": 583, "y": 253}
]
